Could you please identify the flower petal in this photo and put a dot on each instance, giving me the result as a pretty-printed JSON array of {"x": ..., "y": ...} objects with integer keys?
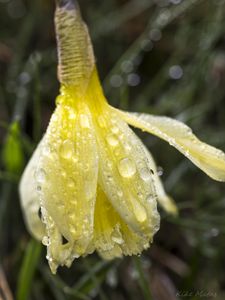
[
  {"x": 211, "y": 160},
  {"x": 113, "y": 238},
  {"x": 30, "y": 201},
  {"x": 66, "y": 178},
  {"x": 164, "y": 200},
  {"x": 125, "y": 175}
]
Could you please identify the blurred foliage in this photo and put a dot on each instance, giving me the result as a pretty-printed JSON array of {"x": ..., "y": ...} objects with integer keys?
[{"x": 164, "y": 57}]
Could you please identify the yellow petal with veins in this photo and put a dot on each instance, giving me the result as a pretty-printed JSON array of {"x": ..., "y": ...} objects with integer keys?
[
  {"x": 123, "y": 165},
  {"x": 113, "y": 238},
  {"x": 209, "y": 159},
  {"x": 66, "y": 179}
]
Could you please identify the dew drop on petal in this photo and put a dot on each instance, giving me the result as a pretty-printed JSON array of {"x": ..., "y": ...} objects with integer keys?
[
  {"x": 66, "y": 149},
  {"x": 127, "y": 167},
  {"x": 72, "y": 115},
  {"x": 140, "y": 212},
  {"x": 151, "y": 199},
  {"x": 115, "y": 129},
  {"x": 84, "y": 121},
  {"x": 117, "y": 236},
  {"x": 112, "y": 140},
  {"x": 45, "y": 241},
  {"x": 145, "y": 174}
]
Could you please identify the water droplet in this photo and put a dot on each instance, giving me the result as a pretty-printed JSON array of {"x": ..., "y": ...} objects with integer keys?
[
  {"x": 75, "y": 159},
  {"x": 116, "y": 81},
  {"x": 127, "y": 66},
  {"x": 41, "y": 175},
  {"x": 155, "y": 34},
  {"x": 117, "y": 236},
  {"x": 151, "y": 199},
  {"x": 145, "y": 174},
  {"x": 133, "y": 79},
  {"x": 72, "y": 115},
  {"x": 147, "y": 45},
  {"x": 160, "y": 171},
  {"x": 115, "y": 129},
  {"x": 24, "y": 78},
  {"x": 45, "y": 241},
  {"x": 127, "y": 147},
  {"x": 176, "y": 72},
  {"x": 127, "y": 167},
  {"x": 84, "y": 121},
  {"x": 112, "y": 140},
  {"x": 140, "y": 212},
  {"x": 66, "y": 149}
]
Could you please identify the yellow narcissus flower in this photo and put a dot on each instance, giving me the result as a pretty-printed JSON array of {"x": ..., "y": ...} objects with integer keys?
[{"x": 91, "y": 184}]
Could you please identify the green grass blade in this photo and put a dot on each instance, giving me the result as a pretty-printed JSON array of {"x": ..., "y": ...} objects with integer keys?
[{"x": 27, "y": 271}]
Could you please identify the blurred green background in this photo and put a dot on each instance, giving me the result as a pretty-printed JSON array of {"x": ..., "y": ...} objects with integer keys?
[{"x": 164, "y": 57}]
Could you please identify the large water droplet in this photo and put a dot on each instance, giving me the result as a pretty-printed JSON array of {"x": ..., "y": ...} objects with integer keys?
[
  {"x": 66, "y": 149},
  {"x": 84, "y": 121},
  {"x": 127, "y": 167},
  {"x": 112, "y": 140}
]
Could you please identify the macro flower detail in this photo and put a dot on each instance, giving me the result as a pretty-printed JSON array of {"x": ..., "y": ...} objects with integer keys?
[{"x": 91, "y": 184}]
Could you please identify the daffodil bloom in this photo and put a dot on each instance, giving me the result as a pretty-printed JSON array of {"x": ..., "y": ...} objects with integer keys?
[{"x": 91, "y": 184}]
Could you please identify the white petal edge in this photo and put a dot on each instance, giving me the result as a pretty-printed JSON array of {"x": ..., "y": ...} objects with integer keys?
[{"x": 29, "y": 198}]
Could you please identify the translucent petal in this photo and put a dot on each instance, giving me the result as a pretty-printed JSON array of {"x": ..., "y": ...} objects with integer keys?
[
  {"x": 164, "y": 200},
  {"x": 113, "y": 238},
  {"x": 122, "y": 158},
  {"x": 211, "y": 160},
  {"x": 66, "y": 177},
  {"x": 29, "y": 198}
]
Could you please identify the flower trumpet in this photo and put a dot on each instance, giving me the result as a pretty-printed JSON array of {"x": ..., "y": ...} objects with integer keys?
[{"x": 91, "y": 184}]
